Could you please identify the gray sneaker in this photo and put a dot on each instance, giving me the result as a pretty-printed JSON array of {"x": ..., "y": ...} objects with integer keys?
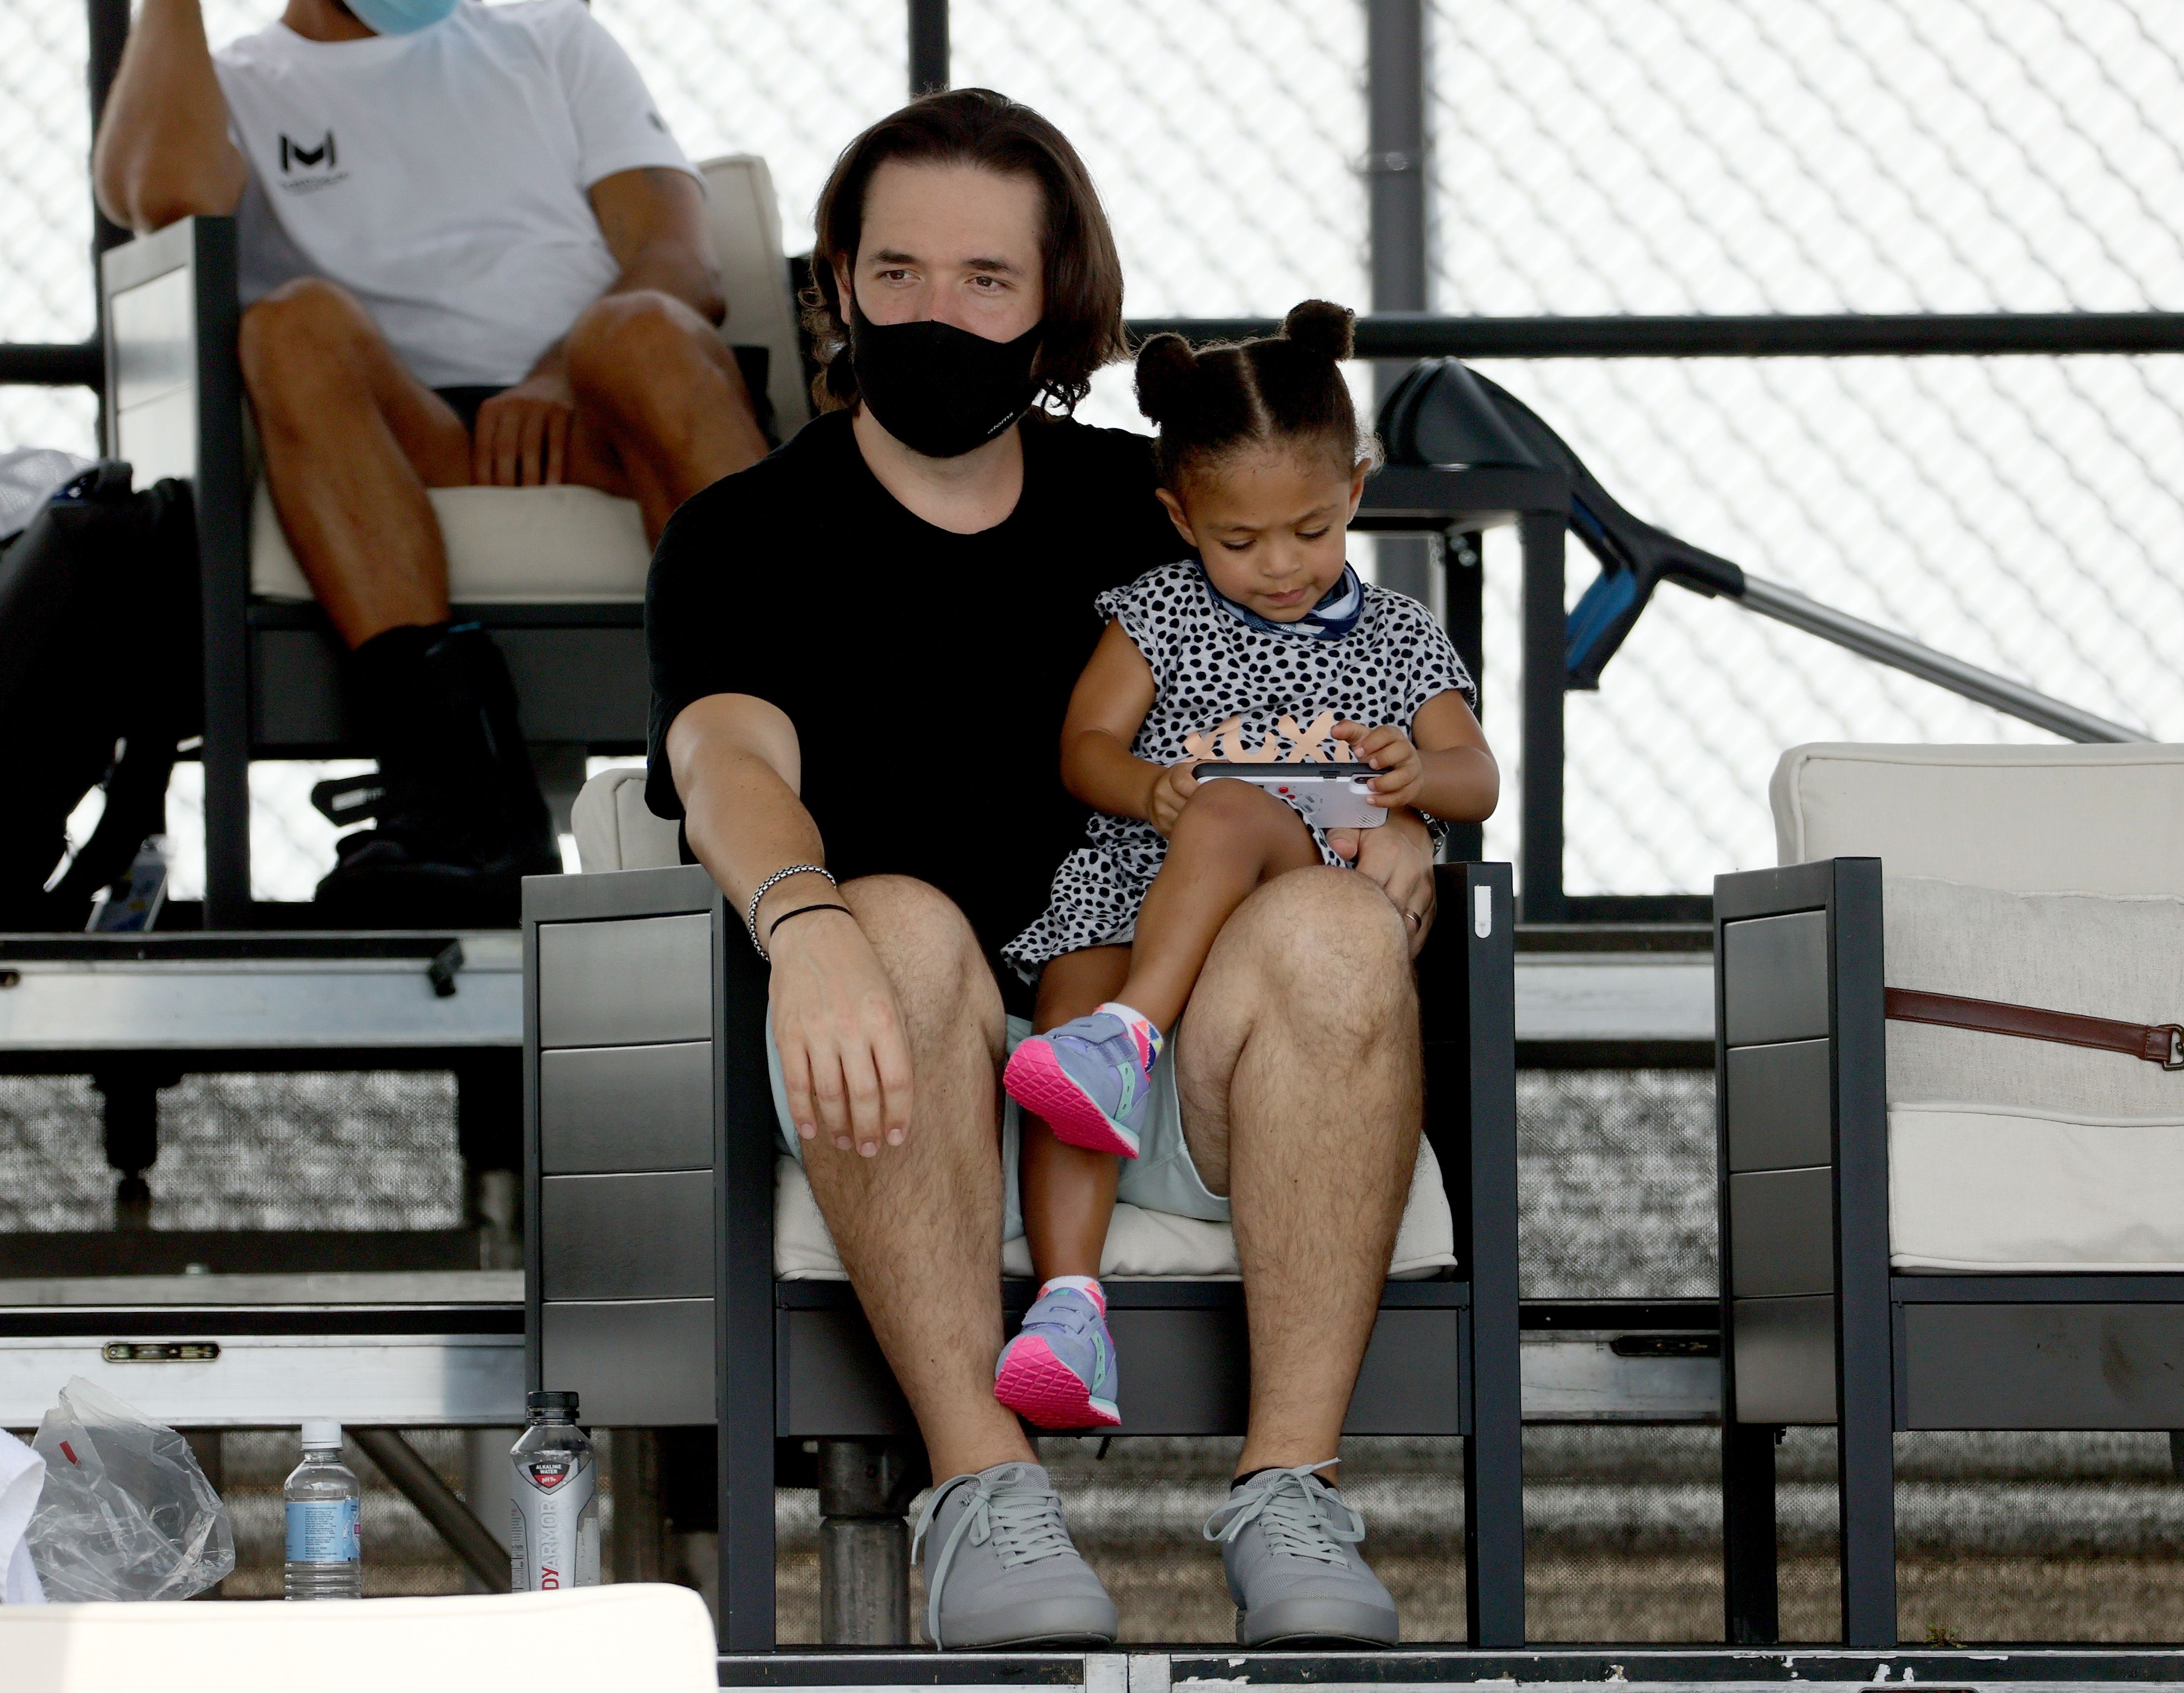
[
  {"x": 1286, "y": 1540},
  {"x": 1006, "y": 1572}
]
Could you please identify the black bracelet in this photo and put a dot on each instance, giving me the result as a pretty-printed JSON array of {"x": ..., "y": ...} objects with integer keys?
[{"x": 799, "y": 912}]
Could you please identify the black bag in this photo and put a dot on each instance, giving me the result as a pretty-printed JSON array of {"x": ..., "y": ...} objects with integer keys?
[{"x": 100, "y": 681}]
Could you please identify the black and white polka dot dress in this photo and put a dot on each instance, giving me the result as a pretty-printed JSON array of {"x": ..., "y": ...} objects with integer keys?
[{"x": 1225, "y": 690}]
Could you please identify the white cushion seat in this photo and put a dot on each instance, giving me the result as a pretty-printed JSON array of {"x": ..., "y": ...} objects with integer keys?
[
  {"x": 2051, "y": 877},
  {"x": 563, "y": 545},
  {"x": 616, "y": 830}
]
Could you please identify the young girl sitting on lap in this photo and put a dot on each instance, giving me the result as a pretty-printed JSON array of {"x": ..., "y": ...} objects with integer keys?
[{"x": 1267, "y": 647}]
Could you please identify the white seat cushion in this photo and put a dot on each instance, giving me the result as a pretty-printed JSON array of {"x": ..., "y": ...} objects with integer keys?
[
  {"x": 616, "y": 829},
  {"x": 505, "y": 547},
  {"x": 593, "y": 1639},
  {"x": 2102, "y": 819},
  {"x": 2008, "y": 1154},
  {"x": 1141, "y": 1245}
]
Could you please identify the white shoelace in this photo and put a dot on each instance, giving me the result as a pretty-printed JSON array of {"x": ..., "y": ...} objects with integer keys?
[
  {"x": 1021, "y": 1518},
  {"x": 1291, "y": 1506}
]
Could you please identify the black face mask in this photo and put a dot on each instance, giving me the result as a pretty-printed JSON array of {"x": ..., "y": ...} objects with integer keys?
[{"x": 939, "y": 390}]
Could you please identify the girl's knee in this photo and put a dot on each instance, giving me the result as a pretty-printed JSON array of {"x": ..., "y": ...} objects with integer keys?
[{"x": 1237, "y": 809}]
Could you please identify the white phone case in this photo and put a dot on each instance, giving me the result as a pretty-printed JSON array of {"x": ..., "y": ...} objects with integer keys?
[{"x": 1328, "y": 796}]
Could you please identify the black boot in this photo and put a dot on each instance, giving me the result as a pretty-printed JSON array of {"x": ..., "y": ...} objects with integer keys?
[{"x": 462, "y": 821}]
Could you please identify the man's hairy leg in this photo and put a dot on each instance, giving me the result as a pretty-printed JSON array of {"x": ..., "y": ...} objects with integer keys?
[
  {"x": 661, "y": 408},
  {"x": 1302, "y": 1086},
  {"x": 919, "y": 1226},
  {"x": 351, "y": 441}
]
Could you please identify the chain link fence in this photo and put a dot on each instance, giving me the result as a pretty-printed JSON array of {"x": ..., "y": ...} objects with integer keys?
[{"x": 1672, "y": 156}]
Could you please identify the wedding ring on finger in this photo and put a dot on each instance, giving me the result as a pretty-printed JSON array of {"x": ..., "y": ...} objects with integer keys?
[{"x": 1412, "y": 919}]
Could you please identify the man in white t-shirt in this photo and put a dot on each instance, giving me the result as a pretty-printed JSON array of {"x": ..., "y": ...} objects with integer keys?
[{"x": 470, "y": 252}]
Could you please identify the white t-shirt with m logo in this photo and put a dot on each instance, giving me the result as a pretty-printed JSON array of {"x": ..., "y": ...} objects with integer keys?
[{"x": 440, "y": 176}]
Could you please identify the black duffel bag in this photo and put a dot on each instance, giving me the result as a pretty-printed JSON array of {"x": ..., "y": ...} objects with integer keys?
[{"x": 100, "y": 681}]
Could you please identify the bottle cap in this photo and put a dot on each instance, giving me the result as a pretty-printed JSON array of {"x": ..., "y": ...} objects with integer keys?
[
  {"x": 550, "y": 1400},
  {"x": 320, "y": 1432}
]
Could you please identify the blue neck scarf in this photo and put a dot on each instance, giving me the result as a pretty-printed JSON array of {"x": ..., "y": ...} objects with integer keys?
[{"x": 1335, "y": 616}]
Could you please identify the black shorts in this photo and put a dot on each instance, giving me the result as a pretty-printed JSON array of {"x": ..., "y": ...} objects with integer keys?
[{"x": 466, "y": 401}]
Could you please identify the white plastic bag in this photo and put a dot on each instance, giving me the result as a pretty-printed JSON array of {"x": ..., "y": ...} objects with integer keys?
[{"x": 125, "y": 1513}]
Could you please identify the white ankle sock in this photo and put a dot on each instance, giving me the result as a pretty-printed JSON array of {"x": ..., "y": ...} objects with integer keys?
[
  {"x": 1154, "y": 1038},
  {"x": 1088, "y": 1285}
]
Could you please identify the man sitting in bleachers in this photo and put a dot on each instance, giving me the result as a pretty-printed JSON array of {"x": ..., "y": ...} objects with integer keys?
[{"x": 470, "y": 252}]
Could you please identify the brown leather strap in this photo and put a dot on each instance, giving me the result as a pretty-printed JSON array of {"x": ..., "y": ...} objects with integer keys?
[{"x": 2161, "y": 1044}]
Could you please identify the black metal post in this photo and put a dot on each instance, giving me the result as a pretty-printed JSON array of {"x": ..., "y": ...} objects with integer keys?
[
  {"x": 928, "y": 47},
  {"x": 108, "y": 22},
  {"x": 1396, "y": 205},
  {"x": 1750, "y": 1607},
  {"x": 1494, "y": 1447},
  {"x": 1545, "y": 674},
  {"x": 1865, "y": 1398},
  {"x": 1463, "y": 592}
]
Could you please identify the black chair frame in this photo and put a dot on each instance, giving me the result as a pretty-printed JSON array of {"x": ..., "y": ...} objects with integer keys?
[{"x": 651, "y": 1286}]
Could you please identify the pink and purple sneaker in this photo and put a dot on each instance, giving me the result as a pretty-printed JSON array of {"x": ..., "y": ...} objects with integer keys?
[
  {"x": 1090, "y": 1079},
  {"x": 1059, "y": 1371}
]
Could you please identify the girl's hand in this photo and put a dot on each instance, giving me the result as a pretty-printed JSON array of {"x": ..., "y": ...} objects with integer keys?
[
  {"x": 1388, "y": 749},
  {"x": 1170, "y": 791}
]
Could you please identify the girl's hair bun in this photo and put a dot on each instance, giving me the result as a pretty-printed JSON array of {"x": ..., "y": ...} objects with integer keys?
[
  {"x": 1320, "y": 327},
  {"x": 1167, "y": 368}
]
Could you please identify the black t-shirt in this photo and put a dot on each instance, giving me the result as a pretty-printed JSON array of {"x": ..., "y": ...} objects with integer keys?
[{"x": 925, "y": 671}]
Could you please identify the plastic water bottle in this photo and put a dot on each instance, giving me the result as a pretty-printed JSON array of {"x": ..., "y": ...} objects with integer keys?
[
  {"x": 326, "y": 1552},
  {"x": 554, "y": 1518}
]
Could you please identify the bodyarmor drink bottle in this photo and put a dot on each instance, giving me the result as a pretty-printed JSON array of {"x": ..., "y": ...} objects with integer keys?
[{"x": 554, "y": 1518}]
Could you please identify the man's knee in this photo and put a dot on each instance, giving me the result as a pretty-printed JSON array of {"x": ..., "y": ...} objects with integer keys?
[
  {"x": 630, "y": 341},
  {"x": 1325, "y": 942},
  {"x": 298, "y": 329},
  {"x": 924, "y": 943}
]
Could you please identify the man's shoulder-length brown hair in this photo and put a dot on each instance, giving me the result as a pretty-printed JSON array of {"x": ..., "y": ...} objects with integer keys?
[{"x": 978, "y": 127}]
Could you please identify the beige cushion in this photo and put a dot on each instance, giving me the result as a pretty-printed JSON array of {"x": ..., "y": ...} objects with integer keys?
[
  {"x": 596, "y": 1640},
  {"x": 1994, "y": 1188},
  {"x": 2098, "y": 819},
  {"x": 1141, "y": 1245},
  {"x": 505, "y": 547},
  {"x": 2100, "y": 955},
  {"x": 544, "y": 546},
  {"x": 616, "y": 829}
]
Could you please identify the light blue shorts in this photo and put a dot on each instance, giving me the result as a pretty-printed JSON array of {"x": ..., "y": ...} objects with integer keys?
[{"x": 1160, "y": 1178}]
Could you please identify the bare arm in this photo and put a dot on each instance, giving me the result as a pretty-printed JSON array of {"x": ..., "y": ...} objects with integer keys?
[
  {"x": 844, "y": 1057},
  {"x": 1442, "y": 767},
  {"x": 162, "y": 151},
  {"x": 654, "y": 221},
  {"x": 1106, "y": 710}
]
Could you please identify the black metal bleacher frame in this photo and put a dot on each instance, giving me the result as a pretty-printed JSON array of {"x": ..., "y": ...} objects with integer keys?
[
  {"x": 271, "y": 671},
  {"x": 650, "y": 1086},
  {"x": 1819, "y": 1329}
]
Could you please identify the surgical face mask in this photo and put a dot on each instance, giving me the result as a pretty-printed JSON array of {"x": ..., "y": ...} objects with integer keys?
[
  {"x": 399, "y": 17},
  {"x": 939, "y": 390}
]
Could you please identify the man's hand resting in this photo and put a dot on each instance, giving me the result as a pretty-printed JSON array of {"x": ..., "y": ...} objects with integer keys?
[
  {"x": 844, "y": 1059},
  {"x": 1398, "y": 855},
  {"x": 521, "y": 440}
]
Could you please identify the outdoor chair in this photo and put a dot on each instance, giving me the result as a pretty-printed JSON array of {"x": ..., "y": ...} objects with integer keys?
[
  {"x": 679, "y": 1274},
  {"x": 1927, "y": 1225},
  {"x": 556, "y": 573}
]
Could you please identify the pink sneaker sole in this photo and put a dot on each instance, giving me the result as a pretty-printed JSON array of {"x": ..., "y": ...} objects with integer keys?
[
  {"x": 1036, "y": 1081},
  {"x": 1040, "y": 1388}
]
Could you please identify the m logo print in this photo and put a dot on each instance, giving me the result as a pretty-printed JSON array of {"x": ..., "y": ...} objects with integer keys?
[{"x": 295, "y": 155}]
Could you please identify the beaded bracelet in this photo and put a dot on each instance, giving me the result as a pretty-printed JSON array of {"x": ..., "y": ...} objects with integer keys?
[{"x": 751, "y": 913}]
